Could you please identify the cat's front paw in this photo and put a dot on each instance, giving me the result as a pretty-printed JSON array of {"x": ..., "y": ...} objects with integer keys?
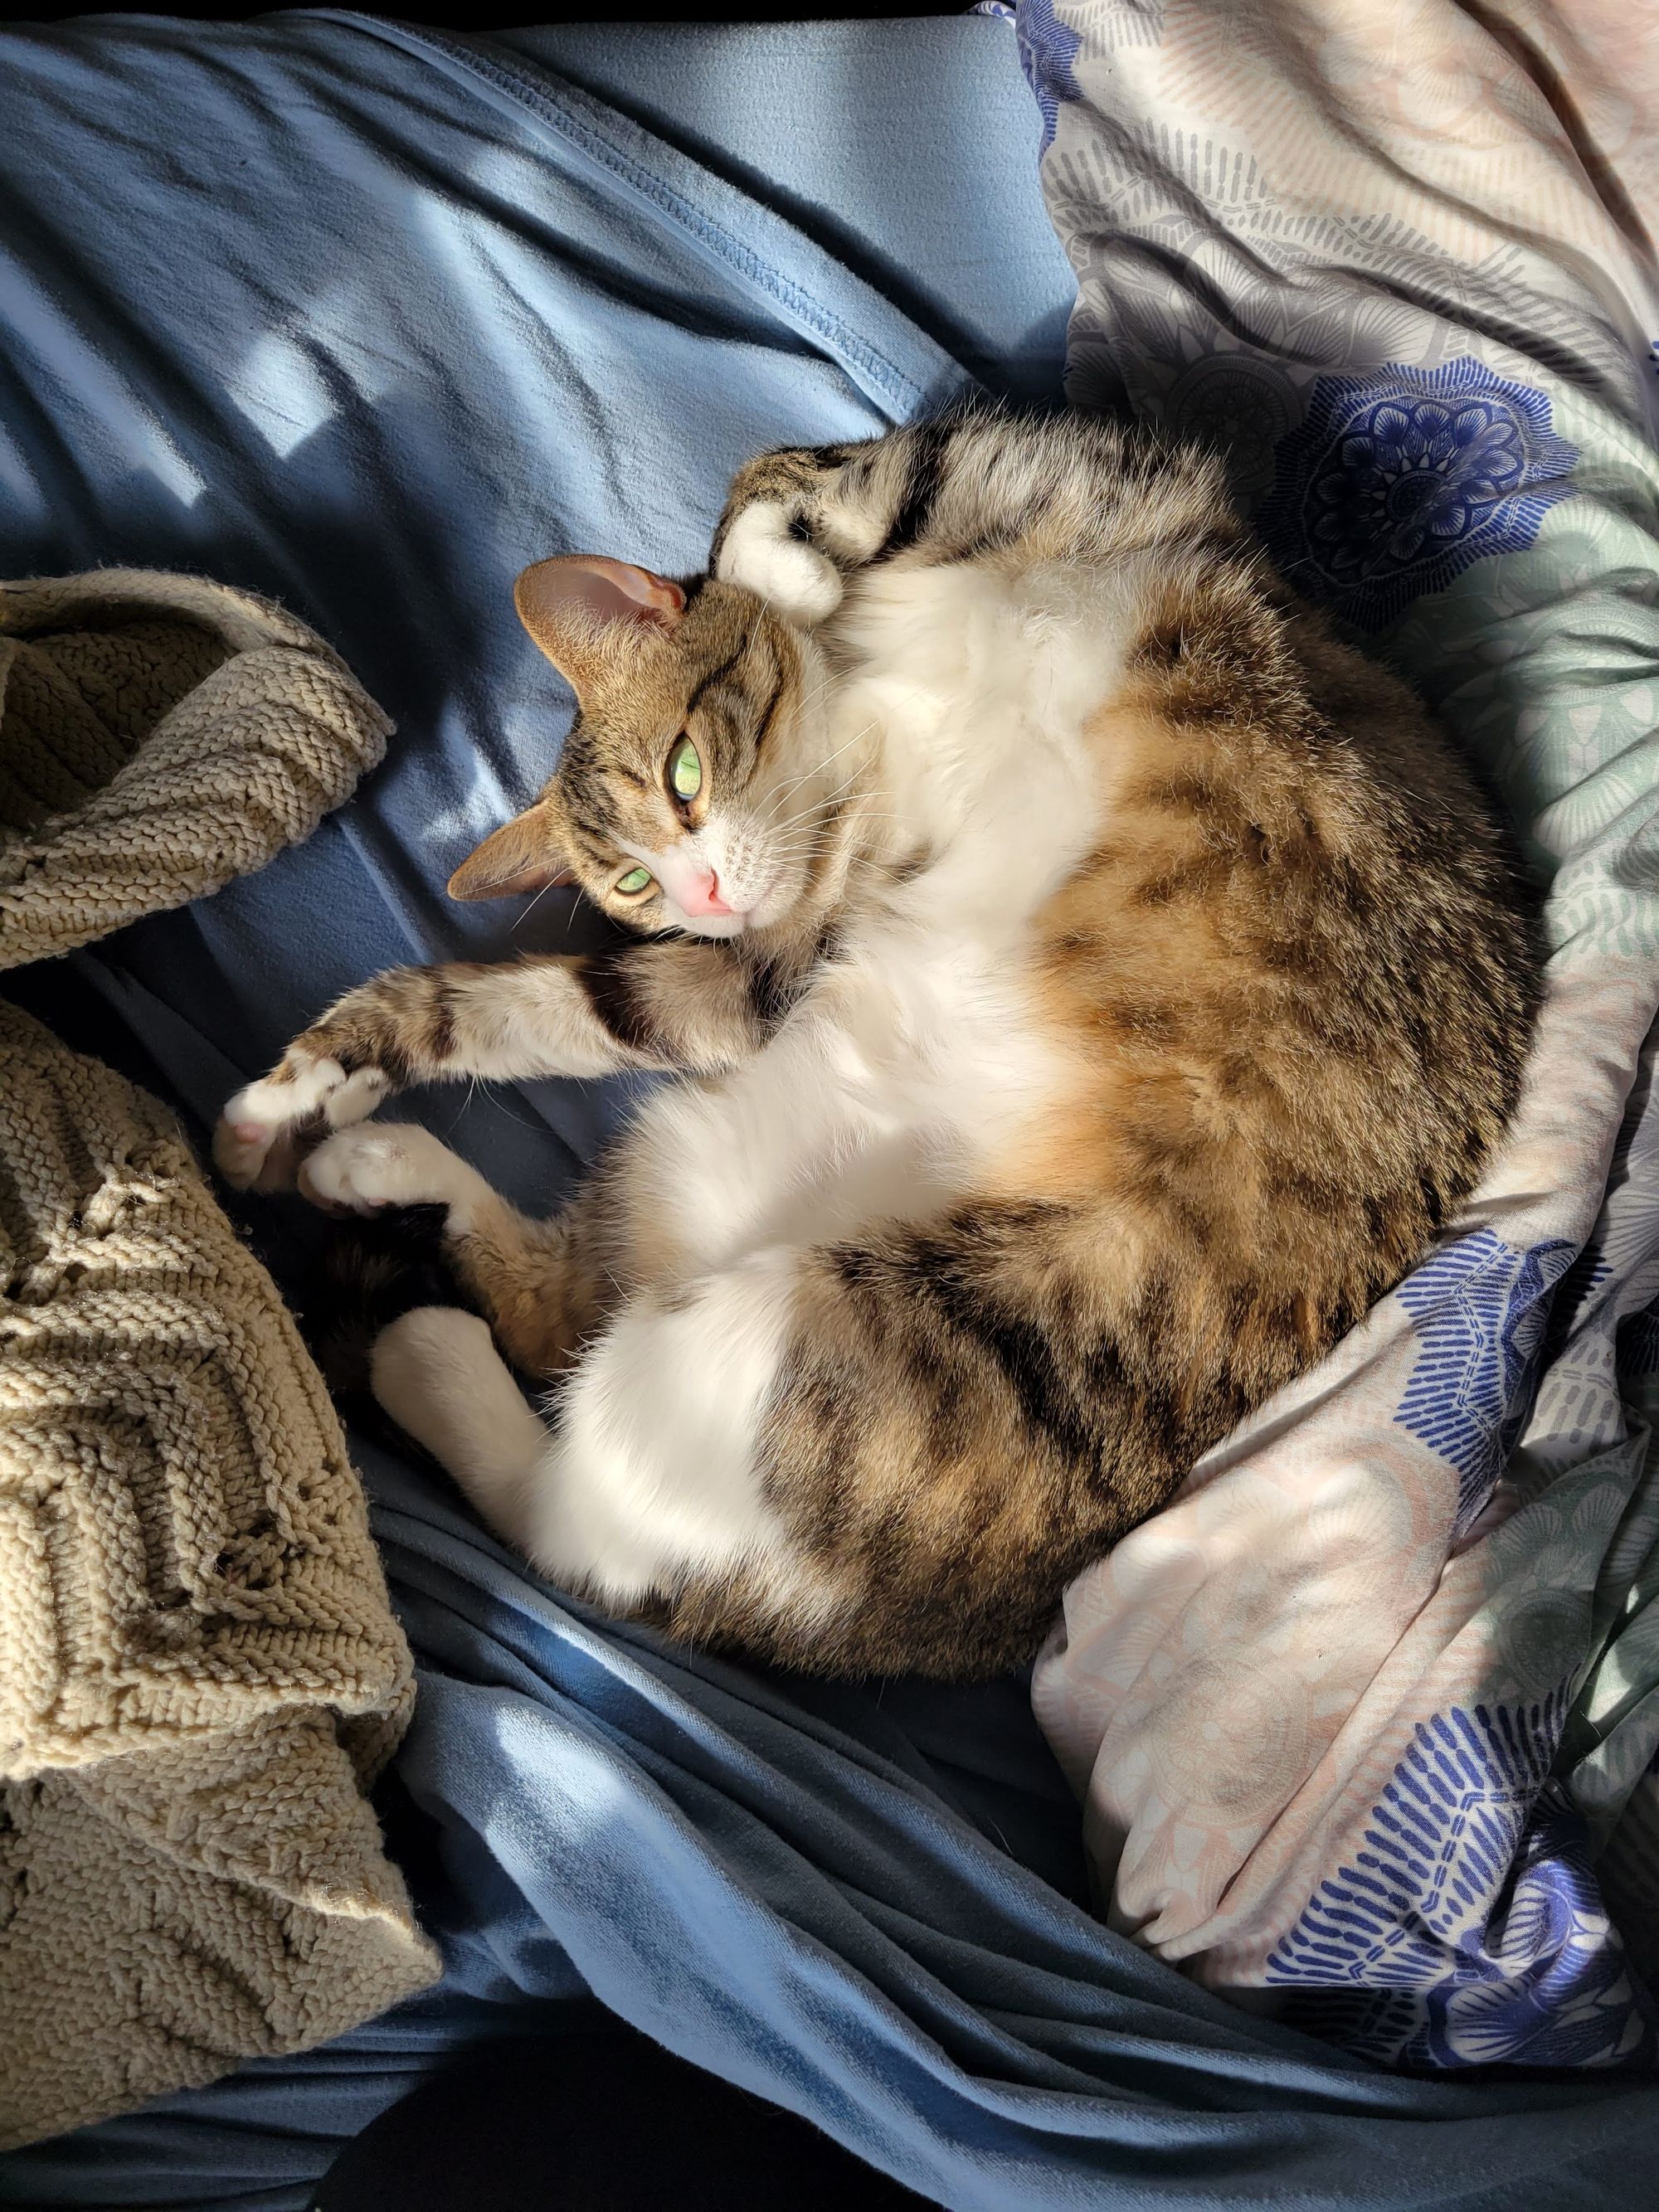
[
  {"x": 260, "y": 1140},
  {"x": 361, "y": 1170},
  {"x": 762, "y": 553}
]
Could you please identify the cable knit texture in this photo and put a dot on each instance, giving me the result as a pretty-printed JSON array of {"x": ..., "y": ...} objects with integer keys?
[
  {"x": 199, "y": 1670},
  {"x": 160, "y": 735}
]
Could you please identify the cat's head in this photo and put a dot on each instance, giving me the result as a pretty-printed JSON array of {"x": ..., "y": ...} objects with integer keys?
[{"x": 691, "y": 792}]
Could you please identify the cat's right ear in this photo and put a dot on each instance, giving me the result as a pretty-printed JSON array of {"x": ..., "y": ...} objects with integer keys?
[
  {"x": 522, "y": 855},
  {"x": 580, "y": 607}
]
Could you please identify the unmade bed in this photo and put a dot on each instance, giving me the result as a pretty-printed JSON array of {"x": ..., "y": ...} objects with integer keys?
[{"x": 366, "y": 318}]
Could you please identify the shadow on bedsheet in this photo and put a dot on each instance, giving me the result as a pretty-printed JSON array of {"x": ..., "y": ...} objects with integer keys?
[
  {"x": 611, "y": 2122},
  {"x": 367, "y": 322}
]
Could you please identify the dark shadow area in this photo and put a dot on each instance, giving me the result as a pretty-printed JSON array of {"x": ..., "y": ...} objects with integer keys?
[{"x": 605, "y": 2122}]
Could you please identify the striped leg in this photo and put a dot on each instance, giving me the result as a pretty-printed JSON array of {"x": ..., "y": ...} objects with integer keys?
[{"x": 664, "y": 1006}]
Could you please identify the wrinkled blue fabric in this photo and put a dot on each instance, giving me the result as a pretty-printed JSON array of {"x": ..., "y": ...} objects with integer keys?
[
  {"x": 906, "y": 147},
  {"x": 367, "y": 318}
]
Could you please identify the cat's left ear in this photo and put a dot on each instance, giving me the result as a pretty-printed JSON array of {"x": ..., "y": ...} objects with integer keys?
[
  {"x": 522, "y": 855},
  {"x": 580, "y": 607}
]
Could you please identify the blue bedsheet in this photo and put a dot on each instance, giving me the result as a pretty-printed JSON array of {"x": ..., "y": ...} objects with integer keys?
[{"x": 369, "y": 319}]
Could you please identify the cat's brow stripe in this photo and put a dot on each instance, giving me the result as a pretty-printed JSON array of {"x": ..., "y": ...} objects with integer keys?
[
  {"x": 705, "y": 683},
  {"x": 764, "y": 728}
]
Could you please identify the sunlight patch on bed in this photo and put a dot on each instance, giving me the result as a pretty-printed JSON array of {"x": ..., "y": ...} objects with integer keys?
[{"x": 281, "y": 390}]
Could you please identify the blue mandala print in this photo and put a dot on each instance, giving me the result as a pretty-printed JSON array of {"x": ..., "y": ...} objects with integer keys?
[
  {"x": 1470, "y": 1931},
  {"x": 1048, "y": 48},
  {"x": 1395, "y": 482},
  {"x": 1482, "y": 1309}
]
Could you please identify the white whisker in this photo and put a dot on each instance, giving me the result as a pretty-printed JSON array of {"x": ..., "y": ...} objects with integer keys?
[{"x": 531, "y": 909}]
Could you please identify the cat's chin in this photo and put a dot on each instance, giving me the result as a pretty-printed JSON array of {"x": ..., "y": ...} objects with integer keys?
[{"x": 717, "y": 926}]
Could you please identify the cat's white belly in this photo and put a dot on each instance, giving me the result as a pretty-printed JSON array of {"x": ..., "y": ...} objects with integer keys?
[
  {"x": 920, "y": 1050},
  {"x": 914, "y": 1060}
]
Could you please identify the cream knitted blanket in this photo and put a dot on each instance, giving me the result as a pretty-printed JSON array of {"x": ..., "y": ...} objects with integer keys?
[
  {"x": 158, "y": 735},
  {"x": 199, "y": 1671}
]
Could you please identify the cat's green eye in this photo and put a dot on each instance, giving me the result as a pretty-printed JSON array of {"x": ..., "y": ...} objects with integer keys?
[
  {"x": 635, "y": 881},
  {"x": 684, "y": 771}
]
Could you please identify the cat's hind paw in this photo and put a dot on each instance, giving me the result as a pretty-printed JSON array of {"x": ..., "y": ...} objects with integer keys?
[{"x": 360, "y": 1171}]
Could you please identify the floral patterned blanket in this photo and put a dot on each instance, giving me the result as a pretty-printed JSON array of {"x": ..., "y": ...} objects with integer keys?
[{"x": 1366, "y": 1723}]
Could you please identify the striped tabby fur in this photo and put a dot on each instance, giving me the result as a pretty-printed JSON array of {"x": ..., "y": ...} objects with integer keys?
[{"x": 1093, "y": 984}]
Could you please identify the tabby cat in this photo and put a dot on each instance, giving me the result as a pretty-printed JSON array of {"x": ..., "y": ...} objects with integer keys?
[{"x": 1093, "y": 985}]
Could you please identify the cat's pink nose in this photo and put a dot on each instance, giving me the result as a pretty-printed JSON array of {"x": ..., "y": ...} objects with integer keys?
[{"x": 702, "y": 894}]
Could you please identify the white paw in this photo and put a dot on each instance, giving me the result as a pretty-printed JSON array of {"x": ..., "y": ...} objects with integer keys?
[
  {"x": 253, "y": 1146},
  {"x": 762, "y": 555},
  {"x": 426, "y": 1365},
  {"x": 360, "y": 1170}
]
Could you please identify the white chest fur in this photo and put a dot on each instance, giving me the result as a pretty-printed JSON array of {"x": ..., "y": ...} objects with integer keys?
[{"x": 917, "y": 1051}]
